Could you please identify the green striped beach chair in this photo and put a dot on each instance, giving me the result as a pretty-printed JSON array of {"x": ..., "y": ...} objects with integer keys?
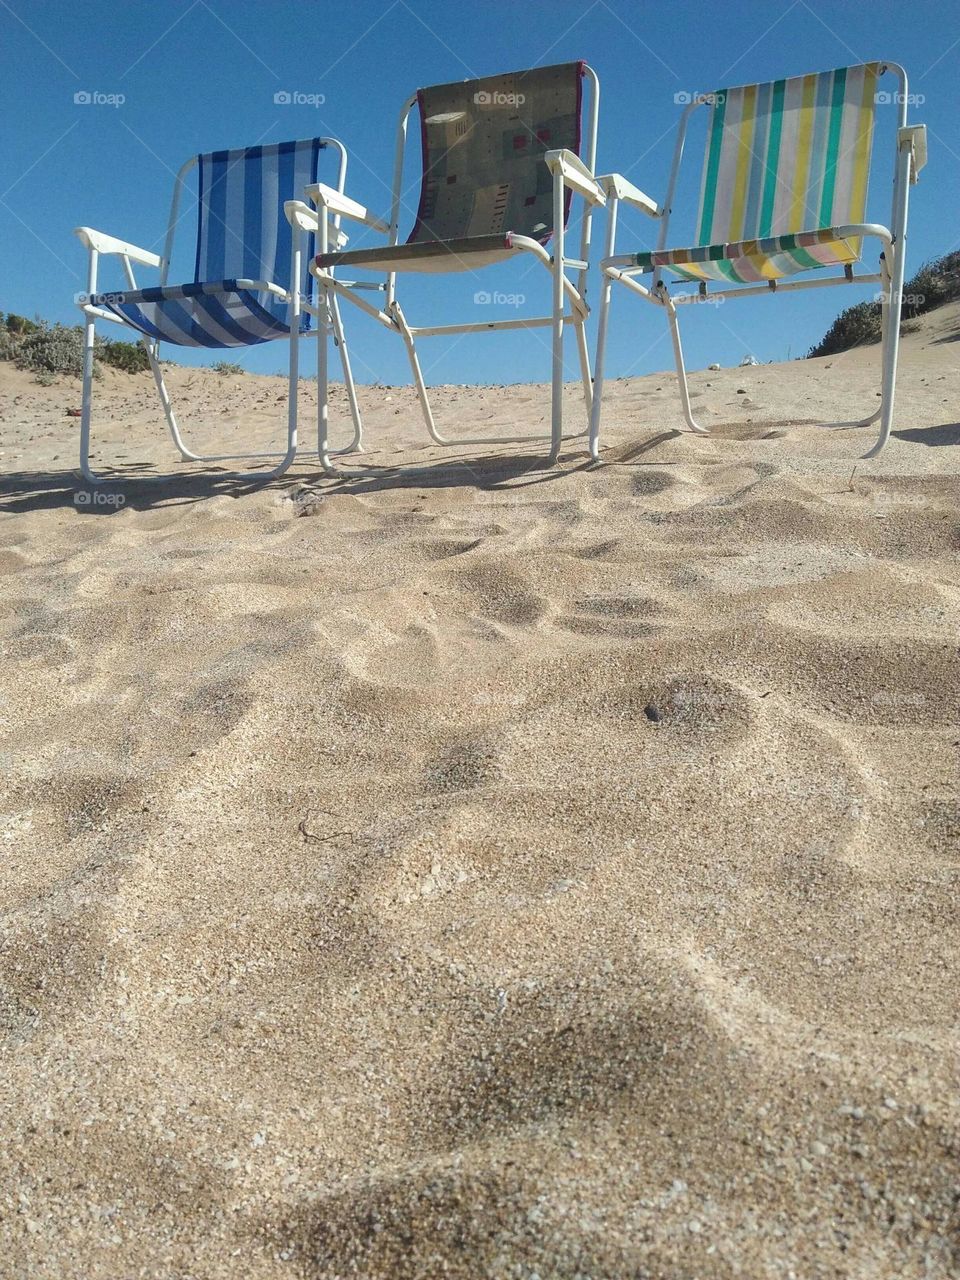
[{"x": 783, "y": 192}]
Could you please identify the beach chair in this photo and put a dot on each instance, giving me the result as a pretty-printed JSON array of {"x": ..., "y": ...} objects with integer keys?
[
  {"x": 783, "y": 192},
  {"x": 501, "y": 162},
  {"x": 251, "y": 283}
]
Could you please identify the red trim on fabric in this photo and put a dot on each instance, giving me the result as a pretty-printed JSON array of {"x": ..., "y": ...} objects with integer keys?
[
  {"x": 423, "y": 161},
  {"x": 580, "y": 74}
]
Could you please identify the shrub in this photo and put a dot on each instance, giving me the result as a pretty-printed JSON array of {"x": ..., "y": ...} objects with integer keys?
[
  {"x": 224, "y": 367},
  {"x": 58, "y": 349},
  {"x": 52, "y": 349},
  {"x": 19, "y": 324},
  {"x": 130, "y": 357},
  {"x": 852, "y": 328},
  {"x": 9, "y": 345}
]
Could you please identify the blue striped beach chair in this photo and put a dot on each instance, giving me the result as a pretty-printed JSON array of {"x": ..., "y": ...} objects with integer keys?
[
  {"x": 251, "y": 281},
  {"x": 501, "y": 161},
  {"x": 783, "y": 192}
]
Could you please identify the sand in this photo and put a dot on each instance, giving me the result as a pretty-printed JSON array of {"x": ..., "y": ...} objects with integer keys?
[{"x": 497, "y": 873}]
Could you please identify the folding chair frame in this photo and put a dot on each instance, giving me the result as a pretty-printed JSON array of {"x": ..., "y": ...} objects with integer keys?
[
  {"x": 99, "y": 244},
  {"x": 911, "y": 156},
  {"x": 569, "y": 172}
]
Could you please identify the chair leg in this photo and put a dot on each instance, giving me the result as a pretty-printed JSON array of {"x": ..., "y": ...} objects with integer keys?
[
  {"x": 884, "y": 330},
  {"x": 681, "y": 367},
  {"x": 172, "y": 424},
  {"x": 89, "y": 334},
  {"x": 606, "y": 290},
  {"x": 418, "y": 375},
  {"x": 323, "y": 387},
  {"x": 891, "y": 306},
  {"x": 586, "y": 379},
  {"x": 606, "y": 294},
  {"x": 556, "y": 388},
  {"x": 339, "y": 337},
  {"x": 86, "y": 413}
]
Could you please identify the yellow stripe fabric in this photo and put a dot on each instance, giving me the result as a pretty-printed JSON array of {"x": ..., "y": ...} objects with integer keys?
[
  {"x": 801, "y": 167},
  {"x": 735, "y": 228},
  {"x": 861, "y": 158}
]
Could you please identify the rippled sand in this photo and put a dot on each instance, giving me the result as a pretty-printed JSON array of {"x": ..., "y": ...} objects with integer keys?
[{"x": 500, "y": 873}]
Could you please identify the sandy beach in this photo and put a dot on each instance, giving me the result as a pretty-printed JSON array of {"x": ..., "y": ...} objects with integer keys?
[{"x": 496, "y": 872}]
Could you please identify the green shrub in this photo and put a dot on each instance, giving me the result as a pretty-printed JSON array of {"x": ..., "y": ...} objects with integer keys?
[
  {"x": 9, "y": 345},
  {"x": 224, "y": 367},
  {"x": 130, "y": 357},
  {"x": 852, "y": 328},
  {"x": 58, "y": 349},
  {"x": 19, "y": 324},
  {"x": 52, "y": 349}
]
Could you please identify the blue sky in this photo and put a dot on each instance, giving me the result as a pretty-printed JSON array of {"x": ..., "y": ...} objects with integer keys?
[{"x": 199, "y": 75}]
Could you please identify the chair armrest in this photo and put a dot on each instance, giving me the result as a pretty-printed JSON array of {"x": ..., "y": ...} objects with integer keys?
[
  {"x": 618, "y": 188},
  {"x": 329, "y": 198},
  {"x": 914, "y": 136},
  {"x": 103, "y": 243},
  {"x": 306, "y": 219},
  {"x": 575, "y": 175}
]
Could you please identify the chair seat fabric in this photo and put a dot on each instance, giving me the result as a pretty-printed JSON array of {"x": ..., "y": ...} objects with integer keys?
[
  {"x": 217, "y": 314},
  {"x": 464, "y": 253},
  {"x": 752, "y": 261}
]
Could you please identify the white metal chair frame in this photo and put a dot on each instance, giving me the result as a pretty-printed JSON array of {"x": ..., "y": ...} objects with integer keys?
[
  {"x": 911, "y": 157},
  {"x": 569, "y": 172},
  {"x": 99, "y": 244}
]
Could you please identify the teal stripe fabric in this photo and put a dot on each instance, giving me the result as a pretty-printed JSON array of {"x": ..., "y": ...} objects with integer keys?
[
  {"x": 712, "y": 166},
  {"x": 833, "y": 158},
  {"x": 771, "y": 173}
]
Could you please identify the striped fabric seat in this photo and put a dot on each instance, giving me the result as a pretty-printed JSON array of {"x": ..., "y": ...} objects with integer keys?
[
  {"x": 243, "y": 239},
  {"x": 223, "y": 314},
  {"x": 786, "y": 162},
  {"x": 483, "y": 171},
  {"x": 750, "y": 261}
]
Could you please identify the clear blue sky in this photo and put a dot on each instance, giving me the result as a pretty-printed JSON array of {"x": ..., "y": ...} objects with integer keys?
[{"x": 202, "y": 74}]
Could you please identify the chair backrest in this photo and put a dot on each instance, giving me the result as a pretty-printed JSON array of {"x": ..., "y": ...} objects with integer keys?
[
  {"x": 242, "y": 230},
  {"x": 483, "y": 147},
  {"x": 786, "y": 156}
]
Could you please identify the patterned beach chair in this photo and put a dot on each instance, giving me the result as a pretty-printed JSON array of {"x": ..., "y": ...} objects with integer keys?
[
  {"x": 783, "y": 192},
  {"x": 501, "y": 161},
  {"x": 249, "y": 252}
]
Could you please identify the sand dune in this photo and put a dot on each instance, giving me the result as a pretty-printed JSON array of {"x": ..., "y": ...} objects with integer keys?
[{"x": 496, "y": 872}]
